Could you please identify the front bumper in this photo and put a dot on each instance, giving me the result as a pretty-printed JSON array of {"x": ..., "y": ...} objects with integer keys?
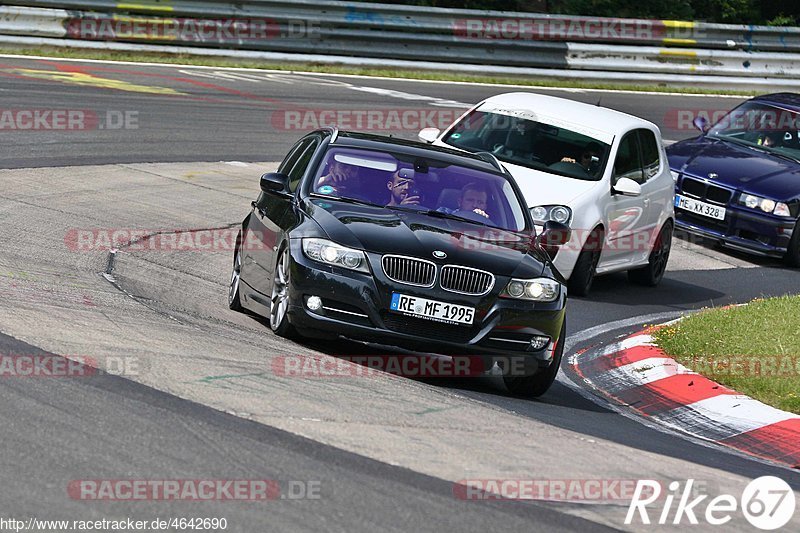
[
  {"x": 742, "y": 229},
  {"x": 356, "y": 305}
]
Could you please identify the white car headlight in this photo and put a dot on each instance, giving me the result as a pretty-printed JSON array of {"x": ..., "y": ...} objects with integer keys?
[
  {"x": 538, "y": 289},
  {"x": 557, "y": 213},
  {"x": 329, "y": 252}
]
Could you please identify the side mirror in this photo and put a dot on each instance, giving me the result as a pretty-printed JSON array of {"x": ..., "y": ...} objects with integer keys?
[
  {"x": 700, "y": 123},
  {"x": 274, "y": 182},
  {"x": 554, "y": 234},
  {"x": 627, "y": 187},
  {"x": 429, "y": 135}
]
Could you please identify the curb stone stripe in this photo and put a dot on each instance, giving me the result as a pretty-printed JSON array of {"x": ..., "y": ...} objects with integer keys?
[{"x": 635, "y": 373}]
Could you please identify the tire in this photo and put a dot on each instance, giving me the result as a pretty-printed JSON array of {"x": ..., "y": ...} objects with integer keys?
[
  {"x": 652, "y": 274},
  {"x": 539, "y": 383},
  {"x": 792, "y": 256},
  {"x": 580, "y": 282},
  {"x": 281, "y": 295},
  {"x": 234, "y": 298}
]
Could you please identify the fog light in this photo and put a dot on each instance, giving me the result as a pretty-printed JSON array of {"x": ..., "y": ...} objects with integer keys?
[
  {"x": 538, "y": 342},
  {"x": 314, "y": 303}
]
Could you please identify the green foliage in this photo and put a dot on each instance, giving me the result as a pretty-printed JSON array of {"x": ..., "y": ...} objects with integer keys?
[
  {"x": 782, "y": 20},
  {"x": 752, "y": 349},
  {"x": 722, "y": 11}
]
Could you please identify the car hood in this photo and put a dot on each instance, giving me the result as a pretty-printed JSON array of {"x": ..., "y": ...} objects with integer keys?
[
  {"x": 737, "y": 167},
  {"x": 542, "y": 188},
  {"x": 389, "y": 231}
]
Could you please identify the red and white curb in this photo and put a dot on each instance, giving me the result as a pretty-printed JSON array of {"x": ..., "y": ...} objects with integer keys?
[{"x": 637, "y": 374}]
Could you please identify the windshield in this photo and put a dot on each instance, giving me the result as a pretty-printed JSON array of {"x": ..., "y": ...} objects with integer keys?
[
  {"x": 766, "y": 127},
  {"x": 396, "y": 181},
  {"x": 525, "y": 141}
]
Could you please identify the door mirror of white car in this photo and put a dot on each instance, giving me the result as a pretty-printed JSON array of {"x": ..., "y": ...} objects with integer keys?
[
  {"x": 627, "y": 187},
  {"x": 429, "y": 135}
]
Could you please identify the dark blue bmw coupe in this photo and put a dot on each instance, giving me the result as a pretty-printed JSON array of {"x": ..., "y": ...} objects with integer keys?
[{"x": 739, "y": 181}]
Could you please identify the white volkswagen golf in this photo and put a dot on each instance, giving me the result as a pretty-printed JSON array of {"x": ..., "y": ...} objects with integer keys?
[{"x": 602, "y": 172}]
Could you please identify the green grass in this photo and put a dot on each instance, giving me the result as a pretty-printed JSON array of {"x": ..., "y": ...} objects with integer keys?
[
  {"x": 75, "y": 53},
  {"x": 752, "y": 349}
]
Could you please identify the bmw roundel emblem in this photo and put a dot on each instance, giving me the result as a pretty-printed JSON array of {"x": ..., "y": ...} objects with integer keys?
[
  {"x": 713, "y": 175},
  {"x": 438, "y": 254}
]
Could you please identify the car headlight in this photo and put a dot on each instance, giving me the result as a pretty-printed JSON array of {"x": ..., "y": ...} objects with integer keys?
[
  {"x": 538, "y": 290},
  {"x": 557, "y": 213},
  {"x": 329, "y": 252},
  {"x": 765, "y": 204},
  {"x": 781, "y": 209}
]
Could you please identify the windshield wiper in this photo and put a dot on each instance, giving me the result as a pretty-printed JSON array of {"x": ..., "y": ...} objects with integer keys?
[
  {"x": 442, "y": 214},
  {"x": 345, "y": 199}
]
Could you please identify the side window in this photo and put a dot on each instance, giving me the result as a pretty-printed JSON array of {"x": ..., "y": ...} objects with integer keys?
[
  {"x": 627, "y": 164},
  {"x": 651, "y": 161},
  {"x": 300, "y": 166},
  {"x": 291, "y": 158}
]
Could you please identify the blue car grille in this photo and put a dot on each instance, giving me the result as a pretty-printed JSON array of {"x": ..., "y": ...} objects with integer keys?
[{"x": 706, "y": 191}]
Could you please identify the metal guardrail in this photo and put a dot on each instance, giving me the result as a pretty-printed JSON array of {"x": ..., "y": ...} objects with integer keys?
[
  {"x": 413, "y": 33},
  {"x": 443, "y": 21}
]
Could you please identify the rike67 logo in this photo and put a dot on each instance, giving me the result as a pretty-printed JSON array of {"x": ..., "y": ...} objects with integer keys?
[{"x": 768, "y": 503}]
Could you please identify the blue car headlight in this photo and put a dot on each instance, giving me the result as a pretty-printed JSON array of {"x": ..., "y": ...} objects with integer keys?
[
  {"x": 765, "y": 204},
  {"x": 330, "y": 253}
]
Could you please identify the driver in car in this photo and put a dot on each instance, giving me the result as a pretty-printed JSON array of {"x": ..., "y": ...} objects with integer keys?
[
  {"x": 471, "y": 203},
  {"x": 592, "y": 150}
]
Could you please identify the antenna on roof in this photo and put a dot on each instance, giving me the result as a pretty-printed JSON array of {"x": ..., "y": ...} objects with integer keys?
[{"x": 598, "y": 101}]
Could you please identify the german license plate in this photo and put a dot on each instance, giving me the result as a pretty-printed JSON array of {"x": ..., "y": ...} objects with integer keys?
[
  {"x": 432, "y": 309},
  {"x": 700, "y": 208}
]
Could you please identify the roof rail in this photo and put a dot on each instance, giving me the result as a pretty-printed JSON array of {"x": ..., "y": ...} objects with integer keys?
[
  {"x": 334, "y": 132},
  {"x": 491, "y": 158}
]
